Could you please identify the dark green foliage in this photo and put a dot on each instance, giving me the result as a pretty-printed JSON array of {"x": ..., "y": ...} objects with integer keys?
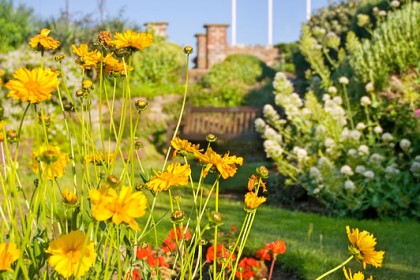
[
  {"x": 229, "y": 82},
  {"x": 16, "y": 25}
]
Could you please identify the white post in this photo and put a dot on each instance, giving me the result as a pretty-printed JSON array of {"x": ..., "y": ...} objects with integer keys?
[
  {"x": 270, "y": 23},
  {"x": 308, "y": 9},
  {"x": 233, "y": 23}
]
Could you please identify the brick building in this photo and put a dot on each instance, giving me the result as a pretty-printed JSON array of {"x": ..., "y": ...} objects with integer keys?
[{"x": 212, "y": 47}]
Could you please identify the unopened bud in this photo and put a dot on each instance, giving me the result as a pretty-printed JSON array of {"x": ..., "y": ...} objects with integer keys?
[
  {"x": 11, "y": 135},
  {"x": 188, "y": 50},
  {"x": 59, "y": 57},
  {"x": 79, "y": 93},
  {"x": 211, "y": 138},
  {"x": 141, "y": 104},
  {"x": 113, "y": 181},
  {"x": 262, "y": 171},
  {"x": 177, "y": 216},
  {"x": 215, "y": 217}
]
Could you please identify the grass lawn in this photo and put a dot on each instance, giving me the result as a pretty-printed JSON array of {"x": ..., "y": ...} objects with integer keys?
[{"x": 316, "y": 243}]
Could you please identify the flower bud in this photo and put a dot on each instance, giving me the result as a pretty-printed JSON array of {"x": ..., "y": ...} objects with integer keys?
[
  {"x": 80, "y": 93},
  {"x": 59, "y": 57},
  {"x": 177, "y": 216},
  {"x": 211, "y": 138},
  {"x": 11, "y": 135},
  {"x": 215, "y": 217},
  {"x": 141, "y": 104},
  {"x": 139, "y": 186},
  {"x": 138, "y": 144},
  {"x": 113, "y": 181},
  {"x": 68, "y": 107},
  {"x": 177, "y": 198},
  {"x": 44, "y": 119},
  {"x": 188, "y": 50},
  {"x": 262, "y": 171},
  {"x": 87, "y": 84}
]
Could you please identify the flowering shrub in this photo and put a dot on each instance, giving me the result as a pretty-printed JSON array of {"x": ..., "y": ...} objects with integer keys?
[{"x": 341, "y": 154}]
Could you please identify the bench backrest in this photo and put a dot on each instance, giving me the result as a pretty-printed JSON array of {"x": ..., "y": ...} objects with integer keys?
[{"x": 225, "y": 123}]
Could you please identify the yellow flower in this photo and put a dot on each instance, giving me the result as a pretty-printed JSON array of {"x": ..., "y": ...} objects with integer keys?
[
  {"x": 87, "y": 59},
  {"x": 87, "y": 84},
  {"x": 71, "y": 254},
  {"x": 33, "y": 86},
  {"x": 43, "y": 41},
  {"x": 8, "y": 254},
  {"x": 226, "y": 165},
  {"x": 175, "y": 175},
  {"x": 69, "y": 197},
  {"x": 252, "y": 201},
  {"x": 363, "y": 247},
  {"x": 1, "y": 74},
  {"x": 50, "y": 161},
  {"x": 122, "y": 207},
  {"x": 114, "y": 65},
  {"x": 357, "y": 276},
  {"x": 131, "y": 39},
  {"x": 99, "y": 158},
  {"x": 184, "y": 146}
]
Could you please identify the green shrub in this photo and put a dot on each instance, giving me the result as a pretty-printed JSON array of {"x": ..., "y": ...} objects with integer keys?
[
  {"x": 159, "y": 69},
  {"x": 16, "y": 25},
  {"x": 229, "y": 82},
  {"x": 394, "y": 47}
]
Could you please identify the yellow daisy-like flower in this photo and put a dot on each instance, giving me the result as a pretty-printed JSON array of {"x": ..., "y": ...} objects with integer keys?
[
  {"x": 175, "y": 175},
  {"x": 357, "y": 276},
  {"x": 8, "y": 254},
  {"x": 43, "y": 41},
  {"x": 132, "y": 39},
  {"x": 114, "y": 65},
  {"x": 50, "y": 161},
  {"x": 363, "y": 247},
  {"x": 71, "y": 254},
  {"x": 184, "y": 147},
  {"x": 99, "y": 158},
  {"x": 252, "y": 201},
  {"x": 226, "y": 165},
  {"x": 122, "y": 207},
  {"x": 69, "y": 196},
  {"x": 33, "y": 86},
  {"x": 87, "y": 59}
]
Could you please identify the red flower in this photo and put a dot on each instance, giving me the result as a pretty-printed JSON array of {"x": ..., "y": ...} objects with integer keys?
[
  {"x": 221, "y": 252},
  {"x": 277, "y": 247},
  {"x": 135, "y": 275},
  {"x": 264, "y": 254},
  {"x": 143, "y": 253},
  {"x": 247, "y": 266},
  {"x": 152, "y": 261},
  {"x": 233, "y": 229},
  {"x": 181, "y": 233},
  {"x": 169, "y": 245}
]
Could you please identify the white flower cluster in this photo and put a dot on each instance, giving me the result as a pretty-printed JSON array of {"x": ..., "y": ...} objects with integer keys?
[
  {"x": 415, "y": 167},
  {"x": 334, "y": 108},
  {"x": 273, "y": 149},
  {"x": 301, "y": 154},
  {"x": 282, "y": 85}
]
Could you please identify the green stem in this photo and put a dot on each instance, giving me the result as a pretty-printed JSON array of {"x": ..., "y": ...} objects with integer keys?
[{"x": 336, "y": 268}]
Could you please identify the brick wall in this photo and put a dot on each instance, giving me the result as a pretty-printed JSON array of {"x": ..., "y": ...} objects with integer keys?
[{"x": 212, "y": 47}]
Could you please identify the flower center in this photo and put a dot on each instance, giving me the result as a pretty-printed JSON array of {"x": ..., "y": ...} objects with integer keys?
[{"x": 32, "y": 85}]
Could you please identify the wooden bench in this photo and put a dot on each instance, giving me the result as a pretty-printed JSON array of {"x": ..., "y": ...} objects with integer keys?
[{"x": 226, "y": 123}]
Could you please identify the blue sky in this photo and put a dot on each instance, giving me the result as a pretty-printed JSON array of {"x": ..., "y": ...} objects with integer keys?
[{"x": 186, "y": 18}]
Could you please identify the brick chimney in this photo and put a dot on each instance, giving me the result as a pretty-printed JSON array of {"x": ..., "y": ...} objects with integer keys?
[
  {"x": 216, "y": 43},
  {"x": 201, "y": 62},
  {"x": 158, "y": 28}
]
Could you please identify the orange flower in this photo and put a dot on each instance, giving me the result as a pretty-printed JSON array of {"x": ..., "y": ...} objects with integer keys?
[
  {"x": 43, "y": 41},
  {"x": 33, "y": 86},
  {"x": 225, "y": 165},
  {"x": 252, "y": 201},
  {"x": 144, "y": 251},
  {"x": 176, "y": 175},
  {"x": 133, "y": 40},
  {"x": 277, "y": 247},
  {"x": 184, "y": 147},
  {"x": 248, "y": 268},
  {"x": 8, "y": 254},
  {"x": 114, "y": 65},
  {"x": 69, "y": 197},
  {"x": 87, "y": 59},
  {"x": 221, "y": 252},
  {"x": 363, "y": 247}
]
